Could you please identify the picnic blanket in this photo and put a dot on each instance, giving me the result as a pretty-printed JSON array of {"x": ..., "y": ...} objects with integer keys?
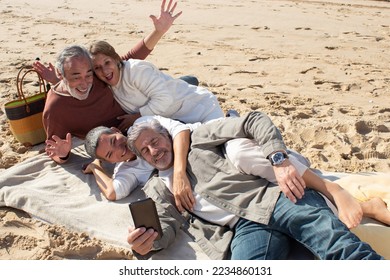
[{"x": 62, "y": 194}]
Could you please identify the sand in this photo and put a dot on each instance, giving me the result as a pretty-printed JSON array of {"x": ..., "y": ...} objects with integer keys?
[{"x": 320, "y": 69}]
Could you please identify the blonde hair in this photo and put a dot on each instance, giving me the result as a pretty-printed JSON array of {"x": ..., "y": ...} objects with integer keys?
[{"x": 102, "y": 47}]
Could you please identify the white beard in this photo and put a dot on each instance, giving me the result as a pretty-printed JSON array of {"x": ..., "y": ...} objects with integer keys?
[{"x": 73, "y": 92}]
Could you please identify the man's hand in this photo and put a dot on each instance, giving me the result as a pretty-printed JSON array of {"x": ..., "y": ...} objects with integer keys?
[
  {"x": 57, "y": 147},
  {"x": 290, "y": 182},
  {"x": 166, "y": 19},
  {"x": 184, "y": 198},
  {"x": 47, "y": 73},
  {"x": 88, "y": 167},
  {"x": 127, "y": 121},
  {"x": 141, "y": 240}
]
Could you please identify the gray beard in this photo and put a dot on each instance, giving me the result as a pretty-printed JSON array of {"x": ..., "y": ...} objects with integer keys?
[{"x": 74, "y": 94}]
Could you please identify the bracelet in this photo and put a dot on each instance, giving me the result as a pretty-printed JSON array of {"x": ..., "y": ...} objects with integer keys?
[{"x": 66, "y": 157}]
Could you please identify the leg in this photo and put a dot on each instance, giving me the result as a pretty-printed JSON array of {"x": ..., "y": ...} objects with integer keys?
[
  {"x": 312, "y": 223},
  {"x": 192, "y": 80},
  {"x": 253, "y": 241}
]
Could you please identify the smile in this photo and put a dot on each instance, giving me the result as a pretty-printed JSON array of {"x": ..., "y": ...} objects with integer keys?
[
  {"x": 158, "y": 157},
  {"x": 109, "y": 76},
  {"x": 82, "y": 91}
]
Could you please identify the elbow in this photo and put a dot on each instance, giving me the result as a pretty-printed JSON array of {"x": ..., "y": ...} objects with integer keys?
[{"x": 111, "y": 196}]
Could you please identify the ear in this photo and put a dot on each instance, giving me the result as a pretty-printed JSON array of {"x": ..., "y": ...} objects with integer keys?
[
  {"x": 116, "y": 130},
  {"x": 59, "y": 75}
]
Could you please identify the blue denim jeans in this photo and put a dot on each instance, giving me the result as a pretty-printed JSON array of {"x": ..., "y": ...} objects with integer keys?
[
  {"x": 192, "y": 80},
  {"x": 310, "y": 222}
]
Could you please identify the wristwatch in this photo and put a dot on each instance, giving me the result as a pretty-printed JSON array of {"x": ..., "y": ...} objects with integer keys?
[{"x": 277, "y": 158}]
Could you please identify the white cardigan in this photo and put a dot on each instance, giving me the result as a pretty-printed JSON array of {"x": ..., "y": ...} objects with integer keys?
[{"x": 144, "y": 89}]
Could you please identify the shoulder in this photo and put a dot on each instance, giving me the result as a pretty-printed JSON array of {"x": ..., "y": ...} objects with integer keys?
[
  {"x": 137, "y": 63},
  {"x": 54, "y": 100}
]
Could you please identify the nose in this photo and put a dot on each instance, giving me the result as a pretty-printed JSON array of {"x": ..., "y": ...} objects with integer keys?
[
  {"x": 84, "y": 84},
  {"x": 153, "y": 151},
  {"x": 105, "y": 69}
]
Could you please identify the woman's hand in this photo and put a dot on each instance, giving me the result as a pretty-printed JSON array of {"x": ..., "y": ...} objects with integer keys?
[
  {"x": 166, "y": 18},
  {"x": 184, "y": 198},
  {"x": 127, "y": 121},
  {"x": 47, "y": 73}
]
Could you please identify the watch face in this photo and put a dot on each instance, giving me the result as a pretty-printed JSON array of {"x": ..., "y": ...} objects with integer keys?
[{"x": 277, "y": 158}]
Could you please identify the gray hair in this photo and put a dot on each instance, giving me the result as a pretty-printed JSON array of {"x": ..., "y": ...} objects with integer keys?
[
  {"x": 70, "y": 52},
  {"x": 92, "y": 139},
  {"x": 135, "y": 131}
]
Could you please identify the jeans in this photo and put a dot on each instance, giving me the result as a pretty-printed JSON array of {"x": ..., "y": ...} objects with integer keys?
[
  {"x": 310, "y": 222},
  {"x": 192, "y": 80}
]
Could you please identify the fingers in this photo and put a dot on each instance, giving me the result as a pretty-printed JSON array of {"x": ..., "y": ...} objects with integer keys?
[
  {"x": 122, "y": 127},
  {"x": 55, "y": 138},
  {"x": 163, "y": 5},
  {"x": 293, "y": 189},
  {"x": 170, "y": 9},
  {"x": 141, "y": 240},
  {"x": 173, "y": 8},
  {"x": 169, "y": 5},
  {"x": 38, "y": 66},
  {"x": 185, "y": 201},
  {"x": 68, "y": 137},
  {"x": 288, "y": 193},
  {"x": 179, "y": 205},
  {"x": 297, "y": 188}
]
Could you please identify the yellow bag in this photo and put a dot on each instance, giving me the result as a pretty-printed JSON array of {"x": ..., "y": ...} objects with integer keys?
[{"x": 25, "y": 113}]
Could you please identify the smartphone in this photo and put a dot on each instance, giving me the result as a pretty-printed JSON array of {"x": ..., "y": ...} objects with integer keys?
[{"x": 144, "y": 214}]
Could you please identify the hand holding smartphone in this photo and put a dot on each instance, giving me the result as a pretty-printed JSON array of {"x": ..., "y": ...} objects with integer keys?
[{"x": 144, "y": 214}]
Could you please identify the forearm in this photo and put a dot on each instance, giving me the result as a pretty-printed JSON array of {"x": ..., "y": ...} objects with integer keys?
[
  {"x": 255, "y": 125},
  {"x": 104, "y": 182},
  {"x": 181, "y": 145},
  {"x": 139, "y": 51},
  {"x": 327, "y": 188},
  {"x": 152, "y": 39}
]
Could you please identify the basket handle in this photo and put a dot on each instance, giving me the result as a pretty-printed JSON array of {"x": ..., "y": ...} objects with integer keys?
[{"x": 19, "y": 83}]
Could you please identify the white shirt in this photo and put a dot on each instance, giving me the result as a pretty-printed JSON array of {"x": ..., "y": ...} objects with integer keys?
[{"x": 202, "y": 207}]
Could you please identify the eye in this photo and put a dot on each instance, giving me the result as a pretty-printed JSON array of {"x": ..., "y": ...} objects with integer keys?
[{"x": 144, "y": 151}]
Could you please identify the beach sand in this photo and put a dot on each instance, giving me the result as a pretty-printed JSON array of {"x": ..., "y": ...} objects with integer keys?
[{"x": 320, "y": 69}]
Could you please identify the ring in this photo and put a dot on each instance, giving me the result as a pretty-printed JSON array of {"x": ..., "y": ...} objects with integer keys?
[{"x": 170, "y": 13}]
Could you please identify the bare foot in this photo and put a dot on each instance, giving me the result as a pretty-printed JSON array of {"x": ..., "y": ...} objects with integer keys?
[{"x": 376, "y": 208}]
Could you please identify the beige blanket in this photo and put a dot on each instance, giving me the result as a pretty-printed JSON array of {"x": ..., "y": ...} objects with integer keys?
[{"x": 62, "y": 194}]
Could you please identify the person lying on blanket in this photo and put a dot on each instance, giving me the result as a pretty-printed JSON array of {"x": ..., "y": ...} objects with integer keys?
[
  {"x": 109, "y": 144},
  {"x": 258, "y": 220}
]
